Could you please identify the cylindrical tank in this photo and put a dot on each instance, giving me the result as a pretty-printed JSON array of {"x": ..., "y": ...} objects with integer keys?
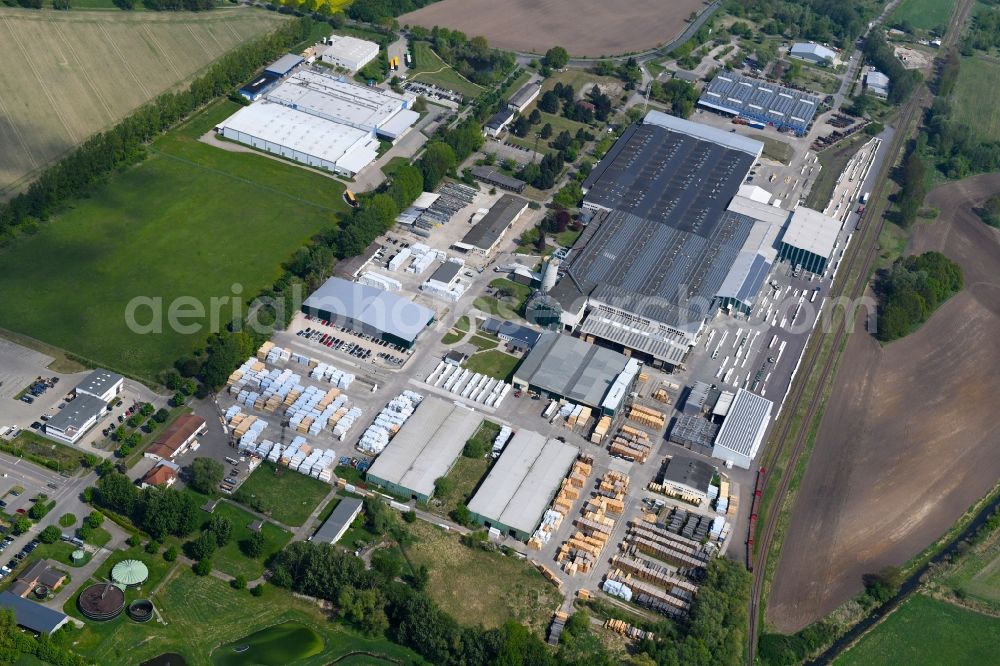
[{"x": 550, "y": 273}]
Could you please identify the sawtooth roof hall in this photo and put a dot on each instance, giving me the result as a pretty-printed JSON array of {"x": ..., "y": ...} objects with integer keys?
[{"x": 667, "y": 245}]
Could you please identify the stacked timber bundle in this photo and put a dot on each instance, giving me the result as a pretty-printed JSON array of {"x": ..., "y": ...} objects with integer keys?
[
  {"x": 558, "y": 623},
  {"x": 581, "y": 552},
  {"x": 563, "y": 502},
  {"x": 631, "y": 444},
  {"x": 650, "y": 418},
  {"x": 660, "y": 395},
  {"x": 601, "y": 430},
  {"x": 628, "y": 630},
  {"x": 264, "y": 350}
]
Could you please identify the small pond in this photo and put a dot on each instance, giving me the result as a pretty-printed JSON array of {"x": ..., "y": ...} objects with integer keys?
[{"x": 274, "y": 646}]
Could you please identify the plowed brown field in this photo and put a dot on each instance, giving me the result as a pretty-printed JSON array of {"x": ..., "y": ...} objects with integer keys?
[
  {"x": 586, "y": 28},
  {"x": 910, "y": 438}
]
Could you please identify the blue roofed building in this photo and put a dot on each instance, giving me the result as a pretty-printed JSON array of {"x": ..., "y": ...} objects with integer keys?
[{"x": 32, "y": 616}]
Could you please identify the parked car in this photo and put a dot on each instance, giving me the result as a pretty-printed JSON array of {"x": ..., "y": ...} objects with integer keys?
[{"x": 27, "y": 398}]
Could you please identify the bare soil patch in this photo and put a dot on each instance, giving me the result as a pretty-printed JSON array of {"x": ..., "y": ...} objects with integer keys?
[
  {"x": 909, "y": 439},
  {"x": 587, "y": 28}
]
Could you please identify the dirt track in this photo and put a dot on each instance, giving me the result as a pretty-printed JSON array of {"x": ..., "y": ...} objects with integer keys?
[
  {"x": 586, "y": 28},
  {"x": 909, "y": 439}
]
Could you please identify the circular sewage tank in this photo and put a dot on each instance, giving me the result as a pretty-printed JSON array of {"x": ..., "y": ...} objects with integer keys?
[
  {"x": 41, "y": 591},
  {"x": 130, "y": 573},
  {"x": 101, "y": 601},
  {"x": 141, "y": 610}
]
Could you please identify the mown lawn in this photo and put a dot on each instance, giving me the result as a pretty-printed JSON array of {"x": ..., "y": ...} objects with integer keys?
[
  {"x": 976, "y": 99},
  {"x": 493, "y": 363},
  {"x": 230, "y": 559},
  {"x": 927, "y": 631},
  {"x": 924, "y": 14},
  {"x": 287, "y": 496},
  {"x": 204, "y": 613},
  {"x": 475, "y": 586},
  {"x": 191, "y": 221}
]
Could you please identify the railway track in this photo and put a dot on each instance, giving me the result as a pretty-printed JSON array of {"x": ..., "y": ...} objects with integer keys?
[{"x": 850, "y": 283}]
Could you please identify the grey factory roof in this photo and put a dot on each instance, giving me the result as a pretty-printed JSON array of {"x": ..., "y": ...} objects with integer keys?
[
  {"x": 494, "y": 224},
  {"x": 666, "y": 271},
  {"x": 811, "y": 51},
  {"x": 499, "y": 119},
  {"x": 523, "y": 480},
  {"x": 98, "y": 382},
  {"x": 76, "y": 413},
  {"x": 569, "y": 367},
  {"x": 492, "y": 175},
  {"x": 689, "y": 472},
  {"x": 380, "y": 309},
  {"x": 762, "y": 100},
  {"x": 692, "y": 431},
  {"x": 745, "y": 424},
  {"x": 877, "y": 81},
  {"x": 284, "y": 64},
  {"x": 812, "y": 231},
  {"x": 625, "y": 331},
  {"x": 752, "y": 265},
  {"x": 446, "y": 272},
  {"x": 343, "y": 515},
  {"x": 31, "y": 615},
  {"x": 337, "y": 100},
  {"x": 426, "y": 446},
  {"x": 525, "y": 94},
  {"x": 523, "y": 335}
]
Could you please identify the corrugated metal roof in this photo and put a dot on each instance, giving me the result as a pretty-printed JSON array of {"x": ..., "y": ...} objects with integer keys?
[
  {"x": 426, "y": 446},
  {"x": 31, "y": 615},
  {"x": 803, "y": 50},
  {"x": 812, "y": 231},
  {"x": 379, "y": 309},
  {"x": 566, "y": 366},
  {"x": 98, "y": 382},
  {"x": 523, "y": 481},
  {"x": 343, "y": 515},
  {"x": 760, "y": 99},
  {"x": 494, "y": 224},
  {"x": 284, "y": 64},
  {"x": 743, "y": 430},
  {"x": 75, "y": 414}
]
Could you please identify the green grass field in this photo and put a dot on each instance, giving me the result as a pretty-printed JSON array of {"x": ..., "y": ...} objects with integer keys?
[
  {"x": 191, "y": 221},
  {"x": 476, "y": 587},
  {"x": 924, "y": 14},
  {"x": 202, "y": 614},
  {"x": 288, "y": 498},
  {"x": 493, "y": 363},
  {"x": 429, "y": 68},
  {"x": 44, "y": 451},
  {"x": 977, "y": 573},
  {"x": 466, "y": 475},
  {"x": 976, "y": 99},
  {"x": 927, "y": 631},
  {"x": 80, "y": 71},
  {"x": 230, "y": 559}
]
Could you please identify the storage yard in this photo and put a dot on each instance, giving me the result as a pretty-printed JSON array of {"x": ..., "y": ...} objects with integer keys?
[{"x": 598, "y": 29}]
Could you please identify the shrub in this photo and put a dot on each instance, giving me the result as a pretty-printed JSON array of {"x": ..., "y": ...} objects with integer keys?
[
  {"x": 239, "y": 583},
  {"x": 202, "y": 567},
  {"x": 152, "y": 547},
  {"x": 170, "y": 554},
  {"x": 50, "y": 534},
  {"x": 257, "y": 590}
]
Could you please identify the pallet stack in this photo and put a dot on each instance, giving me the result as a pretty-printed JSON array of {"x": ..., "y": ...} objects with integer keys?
[
  {"x": 648, "y": 417},
  {"x": 601, "y": 430},
  {"x": 631, "y": 444},
  {"x": 264, "y": 350},
  {"x": 580, "y": 416},
  {"x": 568, "y": 493},
  {"x": 581, "y": 552},
  {"x": 660, "y": 395}
]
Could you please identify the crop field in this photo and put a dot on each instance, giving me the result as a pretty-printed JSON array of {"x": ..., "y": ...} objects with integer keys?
[
  {"x": 429, "y": 68},
  {"x": 480, "y": 587},
  {"x": 924, "y": 14},
  {"x": 78, "y": 72},
  {"x": 867, "y": 451},
  {"x": 203, "y": 613},
  {"x": 592, "y": 28},
  {"x": 927, "y": 631},
  {"x": 190, "y": 221},
  {"x": 976, "y": 99}
]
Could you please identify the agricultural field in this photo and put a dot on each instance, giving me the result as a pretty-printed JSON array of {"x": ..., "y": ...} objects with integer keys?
[
  {"x": 925, "y": 630},
  {"x": 864, "y": 448},
  {"x": 429, "y": 68},
  {"x": 204, "y": 613},
  {"x": 241, "y": 216},
  {"x": 923, "y": 14},
  {"x": 481, "y": 587},
  {"x": 976, "y": 98},
  {"x": 598, "y": 28},
  {"x": 287, "y": 496},
  {"x": 79, "y": 72},
  {"x": 977, "y": 574}
]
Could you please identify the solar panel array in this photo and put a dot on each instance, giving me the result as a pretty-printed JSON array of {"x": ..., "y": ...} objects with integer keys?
[{"x": 761, "y": 100}]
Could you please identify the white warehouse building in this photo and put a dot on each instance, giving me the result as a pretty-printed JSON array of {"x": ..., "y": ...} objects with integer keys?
[
  {"x": 350, "y": 53},
  {"x": 322, "y": 121}
]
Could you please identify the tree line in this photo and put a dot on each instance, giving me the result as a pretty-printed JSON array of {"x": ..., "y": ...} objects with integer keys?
[
  {"x": 78, "y": 174},
  {"x": 837, "y": 21},
  {"x": 54, "y": 649},
  {"x": 902, "y": 81},
  {"x": 471, "y": 57},
  {"x": 912, "y": 289},
  {"x": 383, "y": 11}
]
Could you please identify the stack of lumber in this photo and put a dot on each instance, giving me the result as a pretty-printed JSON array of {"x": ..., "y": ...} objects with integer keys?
[
  {"x": 627, "y": 630},
  {"x": 561, "y": 506},
  {"x": 601, "y": 430},
  {"x": 631, "y": 444},
  {"x": 648, "y": 417},
  {"x": 641, "y": 587},
  {"x": 660, "y": 395},
  {"x": 264, "y": 350},
  {"x": 578, "y": 417}
]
